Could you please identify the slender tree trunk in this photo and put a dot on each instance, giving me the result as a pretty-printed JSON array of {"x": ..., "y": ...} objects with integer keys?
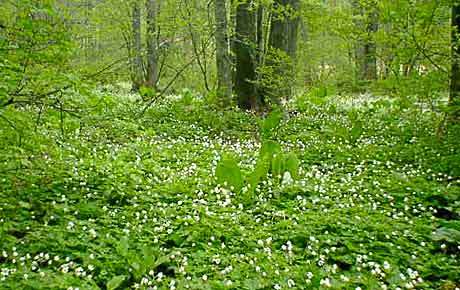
[
  {"x": 223, "y": 62},
  {"x": 370, "y": 65},
  {"x": 137, "y": 69},
  {"x": 152, "y": 56},
  {"x": 245, "y": 57},
  {"x": 389, "y": 53},
  {"x": 260, "y": 35},
  {"x": 454, "y": 98}
]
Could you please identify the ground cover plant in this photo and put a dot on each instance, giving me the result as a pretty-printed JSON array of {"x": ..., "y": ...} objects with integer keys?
[
  {"x": 114, "y": 201},
  {"x": 250, "y": 144}
]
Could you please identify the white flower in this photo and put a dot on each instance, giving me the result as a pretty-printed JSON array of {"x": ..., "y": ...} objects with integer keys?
[
  {"x": 70, "y": 225},
  {"x": 386, "y": 265},
  {"x": 326, "y": 282},
  {"x": 287, "y": 179}
]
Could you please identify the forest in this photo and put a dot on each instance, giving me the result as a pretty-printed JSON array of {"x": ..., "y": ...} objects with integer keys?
[{"x": 229, "y": 144}]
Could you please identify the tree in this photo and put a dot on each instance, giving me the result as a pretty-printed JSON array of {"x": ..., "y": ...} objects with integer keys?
[
  {"x": 283, "y": 47},
  {"x": 223, "y": 62},
  {"x": 454, "y": 98},
  {"x": 136, "y": 59},
  {"x": 152, "y": 55},
  {"x": 366, "y": 48},
  {"x": 245, "y": 57},
  {"x": 36, "y": 50}
]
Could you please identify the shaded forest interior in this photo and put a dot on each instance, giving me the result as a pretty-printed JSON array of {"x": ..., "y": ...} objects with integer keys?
[{"x": 229, "y": 144}]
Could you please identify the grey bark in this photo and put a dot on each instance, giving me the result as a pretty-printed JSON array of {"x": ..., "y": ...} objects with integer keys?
[
  {"x": 152, "y": 53},
  {"x": 223, "y": 61},
  {"x": 370, "y": 47},
  {"x": 137, "y": 69},
  {"x": 366, "y": 49}
]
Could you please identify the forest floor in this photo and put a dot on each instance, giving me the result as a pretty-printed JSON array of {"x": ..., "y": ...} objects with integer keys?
[{"x": 110, "y": 200}]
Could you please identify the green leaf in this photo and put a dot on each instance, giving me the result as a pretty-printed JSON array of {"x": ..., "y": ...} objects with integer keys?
[
  {"x": 356, "y": 131},
  {"x": 253, "y": 284},
  {"x": 447, "y": 234},
  {"x": 291, "y": 164},
  {"x": 260, "y": 171},
  {"x": 278, "y": 165},
  {"x": 228, "y": 172},
  {"x": 148, "y": 256},
  {"x": 269, "y": 148},
  {"x": 115, "y": 282},
  {"x": 272, "y": 121},
  {"x": 123, "y": 247},
  {"x": 146, "y": 92}
]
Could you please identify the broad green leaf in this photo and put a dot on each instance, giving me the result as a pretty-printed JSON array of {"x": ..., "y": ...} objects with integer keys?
[
  {"x": 115, "y": 282},
  {"x": 228, "y": 172},
  {"x": 123, "y": 247},
  {"x": 260, "y": 171},
  {"x": 291, "y": 164},
  {"x": 269, "y": 148},
  {"x": 272, "y": 121},
  {"x": 277, "y": 164}
]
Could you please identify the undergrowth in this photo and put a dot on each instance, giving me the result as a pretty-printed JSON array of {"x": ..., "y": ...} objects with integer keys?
[{"x": 111, "y": 200}]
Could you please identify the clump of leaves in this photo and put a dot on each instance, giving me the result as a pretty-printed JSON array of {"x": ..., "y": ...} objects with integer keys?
[{"x": 271, "y": 159}]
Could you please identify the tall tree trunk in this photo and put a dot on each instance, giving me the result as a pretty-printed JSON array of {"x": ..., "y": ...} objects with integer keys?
[
  {"x": 370, "y": 47},
  {"x": 454, "y": 97},
  {"x": 224, "y": 69},
  {"x": 136, "y": 60},
  {"x": 389, "y": 53},
  {"x": 283, "y": 43},
  {"x": 365, "y": 51},
  {"x": 245, "y": 57},
  {"x": 152, "y": 56},
  {"x": 260, "y": 34}
]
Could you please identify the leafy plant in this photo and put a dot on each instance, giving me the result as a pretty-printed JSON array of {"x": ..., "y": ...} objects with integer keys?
[
  {"x": 228, "y": 173},
  {"x": 270, "y": 159},
  {"x": 115, "y": 282}
]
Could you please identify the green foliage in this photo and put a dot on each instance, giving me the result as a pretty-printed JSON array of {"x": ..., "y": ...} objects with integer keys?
[
  {"x": 271, "y": 123},
  {"x": 269, "y": 148},
  {"x": 35, "y": 54},
  {"x": 115, "y": 282},
  {"x": 447, "y": 235},
  {"x": 261, "y": 169},
  {"x": 270, "y": 160},
  {"x": 359, "y": 191},
  {"x": 228, "y": 173},
  {"x": 292, "y": 164},
  {"x": 146, "y": 92},
  {"x": 130, "y": 198}
]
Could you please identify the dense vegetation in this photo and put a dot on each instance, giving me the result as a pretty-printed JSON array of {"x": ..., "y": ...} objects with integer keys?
[{"x": 214, "y": 145}]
